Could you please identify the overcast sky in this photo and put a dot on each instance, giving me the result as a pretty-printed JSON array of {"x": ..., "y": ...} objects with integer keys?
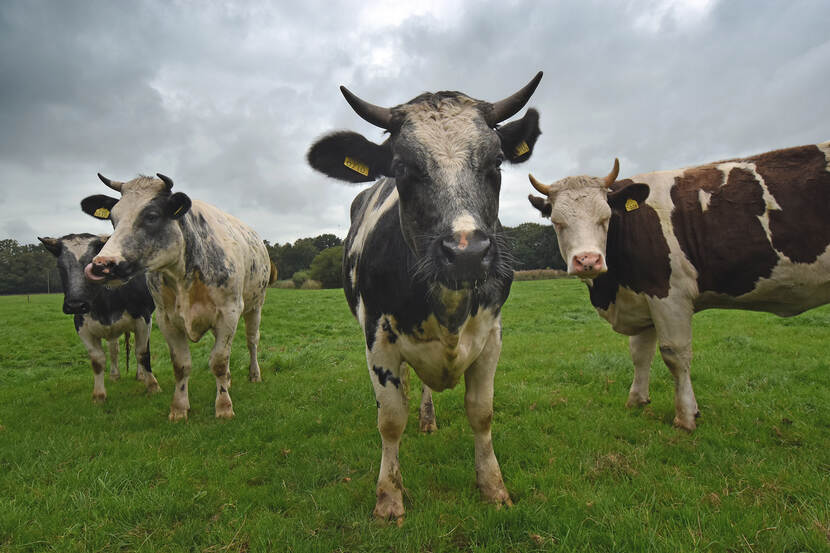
[{"x": 226, "y": 97}]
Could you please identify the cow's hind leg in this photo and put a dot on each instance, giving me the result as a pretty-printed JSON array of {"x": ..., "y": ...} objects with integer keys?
[
  {"x": 252, "y": 320},
  {"x": 478, "y": 401},
  {"x": 426, "y": 414},
  {"x": 220, "y": 357},
  {"x": 389, "y": 378},
  {"x": 642, "y": 347},
  {"x": 113, "y": 348},
  {"x": 142, "y": 356}
]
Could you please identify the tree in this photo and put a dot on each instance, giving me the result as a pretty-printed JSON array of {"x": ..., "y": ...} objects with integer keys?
[
  {"x": 327, "y": 266},
  {"x": 27, "y": 269},
  {"x": 535, "y": 247},
  {"x": 325, "y": 241}
]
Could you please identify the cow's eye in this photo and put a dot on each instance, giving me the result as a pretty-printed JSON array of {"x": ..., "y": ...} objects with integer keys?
[{"x": 151, "y": 217}]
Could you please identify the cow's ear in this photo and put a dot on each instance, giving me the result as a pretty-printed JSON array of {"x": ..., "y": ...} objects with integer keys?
[
  {"x": 540, "y": 203},
  {"x": 627, "y": 195},
  {"x": 519, "y": 137},
  {"x": 178, "y": 204},
  {"x": 99, "y": 206},
  {"x": 51, "y": 244},
  {"x": 348, "y": 156}
]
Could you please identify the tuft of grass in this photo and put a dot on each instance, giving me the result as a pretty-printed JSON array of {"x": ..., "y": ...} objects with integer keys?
[{"x": 296, "y": 469}]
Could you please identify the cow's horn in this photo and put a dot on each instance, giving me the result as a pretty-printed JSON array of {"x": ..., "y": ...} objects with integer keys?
[
  {"x": 612, "y": 176},
  {"x": 512, "y": 104},
  {"x": 167, "y": 180},
  {"x": 542, "y": 188},
  {"x": 376, "y": 115},
  {"x": 115, "y": 185}
]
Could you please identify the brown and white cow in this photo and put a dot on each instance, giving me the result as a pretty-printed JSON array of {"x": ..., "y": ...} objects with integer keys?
[
  {"x": 204, "y": 268},
  {"x": 655, "y": 248}
]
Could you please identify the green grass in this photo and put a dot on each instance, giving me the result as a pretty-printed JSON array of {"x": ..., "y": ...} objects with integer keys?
[{"x": 296, "y": 469}]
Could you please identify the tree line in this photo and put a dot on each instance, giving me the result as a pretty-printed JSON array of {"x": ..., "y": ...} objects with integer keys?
[{"x": 30, "y": 269}]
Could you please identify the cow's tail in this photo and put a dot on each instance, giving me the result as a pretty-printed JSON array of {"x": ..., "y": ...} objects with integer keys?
[
  {"x": 273, "y": 277},
  {"x": 127, "y": 352}
]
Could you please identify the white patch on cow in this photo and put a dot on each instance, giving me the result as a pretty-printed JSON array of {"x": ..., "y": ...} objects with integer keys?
[
  {"x": 371, "y": 216},
  {"x": 361, "y": 312},
  {"x": 78, "y": 245},
  {"x": 703, "y": 197},
  {"x": 579, "y": 206},
  {"x": 353, "y": 275},
  {"x": 825, "y": 147},
  {"x": 464, "y": 223}
]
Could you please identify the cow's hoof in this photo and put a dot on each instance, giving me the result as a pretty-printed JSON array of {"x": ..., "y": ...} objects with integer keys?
[
  {"x": 177, "y": 414},
  {"x": 99, "y": 397},
  {"x": 152, "y": 385},
  {"x": 428, "y": 426},
  {"x": 637, "y": 401},
  {"x": 225, "y": 413},
  {"x": 497, "y": 496},
  {"x": 685, "y": 423},
  {"x": 389, "y": 506},
  {"x": 255, "y": 377}
]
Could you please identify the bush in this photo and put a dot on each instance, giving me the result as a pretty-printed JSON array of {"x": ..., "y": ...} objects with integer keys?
[
  {"x": 327, "y": 266},
  {"x": 284, "y": 284},
  {"x": 311, "y": 284},
  {"x": 299, "y": 278},
  {"x": 539, "y": 274}
]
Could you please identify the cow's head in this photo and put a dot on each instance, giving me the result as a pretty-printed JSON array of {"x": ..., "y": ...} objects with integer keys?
[
  {"x": 580, "y": 209},
  {"x": 74, "y": 252},
  {"x": 444, "y": 152},
  {"x": 147, "y": 235}
]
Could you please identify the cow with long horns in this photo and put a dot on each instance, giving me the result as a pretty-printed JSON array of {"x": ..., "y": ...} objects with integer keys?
[
  {"x": 656, "y": 248},
  {"x": 425, "y": 264},
  {"x": 204, "y": 269}
]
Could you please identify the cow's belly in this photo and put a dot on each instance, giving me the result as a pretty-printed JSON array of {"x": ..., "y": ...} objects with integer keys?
[
  {"x": 97, "y": 330},
  {"x": 440, "y": 357},
  {"x": 629, "y": 313}
]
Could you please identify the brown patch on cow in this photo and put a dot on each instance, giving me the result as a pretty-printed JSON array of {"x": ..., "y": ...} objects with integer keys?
[
  {"x": 726, "y": 243},
  {"x": 202, "y": 309},
  {"x": 636, "y": 252},
  {"x": 168, "y": 298},
  {"x": 272, "y": 277},
  {"x": 799, "y": 181}
]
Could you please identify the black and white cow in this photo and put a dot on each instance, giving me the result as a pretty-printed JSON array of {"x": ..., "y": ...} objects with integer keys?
[
  {"x": 425, "y": 267},
  {"x": 103, "y": 312},
  {"x": 204, "y": 268},
  {"x": 656, "y": 248}
]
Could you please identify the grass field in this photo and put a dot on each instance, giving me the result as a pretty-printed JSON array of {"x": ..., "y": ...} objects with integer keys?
[{"x": 296, "y": 469}]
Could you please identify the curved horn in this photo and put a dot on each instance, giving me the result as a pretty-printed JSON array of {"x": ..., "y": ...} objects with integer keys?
[
  {"x": 167, "y": 180},
  {"x": 612, "y": 176},
  {"x": 541, "y": 188},
  {"x": 376, "y": 115},
  {"x": 512, "y": 104},
  {"x": 115, "y": 185}
]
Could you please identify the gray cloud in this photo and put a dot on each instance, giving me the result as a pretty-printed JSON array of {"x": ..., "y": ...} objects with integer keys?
[{"x": 226, "y": 98}]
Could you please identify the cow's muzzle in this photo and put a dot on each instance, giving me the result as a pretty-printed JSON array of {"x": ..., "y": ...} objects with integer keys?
[
  {"x": 465, "y": 259},
  {"x": 106, "y": 269},
  {"x": 75, "y": 307},
  {"x": 587, "y": 265}
]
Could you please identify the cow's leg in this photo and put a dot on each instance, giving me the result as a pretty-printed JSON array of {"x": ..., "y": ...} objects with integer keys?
[
  {"x": 478, "y": 401},
  {"x": 180, "y": 356},
  {"x": 142, "y": 356},
  {"x": 252, "y": 319},
  {"x": 674, "y": 333},
  {"x": 113, "y": 348},
  {"x": 426, "y": 414},
  {"x": 389, "y": 378},
  {"x": 642, "y": 347},
  {"x": 98, "y": 359},
  {"x": 220, "y": 357}
]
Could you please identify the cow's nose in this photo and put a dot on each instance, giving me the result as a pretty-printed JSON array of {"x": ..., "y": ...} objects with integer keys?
[
  {"x": 102, "y": 266},
  {"x": 590, "y": 263},
  {"x": 75, "y": 307},
  {"x": 466, "y": 254}
]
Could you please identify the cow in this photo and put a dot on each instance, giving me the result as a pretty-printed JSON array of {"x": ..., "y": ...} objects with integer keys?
[
  {"x": 426, "y": 268},
  {"x": 103, "y": 312},
  {"x": 204, "y": 269},
  {"x": 656, "y": 248}
]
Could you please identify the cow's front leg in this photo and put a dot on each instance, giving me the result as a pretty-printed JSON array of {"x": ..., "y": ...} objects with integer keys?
[
  {"x": 220, "y": 357},
  {"x": 252, "y": 320},
  {"x": 642, "y": 347},
  {"x": 478, "y": 401},
  {"x": 426, "y": 413},
  {"x": 389, "y": 379},
  {"x": 142, "y": 356},
  {"x": 113, "y": 347},
  {"x": 98, "y": 360},
  {"x": 674, "y": 333},
  {"x": 180, "y": 356}
]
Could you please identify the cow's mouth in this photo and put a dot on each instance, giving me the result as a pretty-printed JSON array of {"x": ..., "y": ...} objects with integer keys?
[{"x": 111, "y": 275}]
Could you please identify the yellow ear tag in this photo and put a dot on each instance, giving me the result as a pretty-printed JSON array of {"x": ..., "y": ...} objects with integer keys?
[
  {"x": 631, "y": 204},
  {"x": 177, "y": 211},
  {"x": 356, "y": 166},
  {"x": 102, "y": 213},
  {"x": 522, "y": 149}
]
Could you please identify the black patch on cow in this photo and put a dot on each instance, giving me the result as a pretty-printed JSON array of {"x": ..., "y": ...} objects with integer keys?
[
  {"x": 385, "y": 375},
  {"x": 79, "y": 322},
  {"x": 636, "y": 252},
  {"x": 390, "y": 334},
  {"x": 178, "y": 205},
  {"x": 222, "y": 390},
  {"x": 144, "y": 360},
  {"x": 519, "y": 137},
  {"x": 377, "y": 403},
  {"x": 202, "y": 252},
  {"x": 799, "y": 181},
  {"x": 328, "y": 155},
  {"x": 91, "y": 204},
  {"x": 726, "y": 243},
  {"x": 182, "y": 388}
]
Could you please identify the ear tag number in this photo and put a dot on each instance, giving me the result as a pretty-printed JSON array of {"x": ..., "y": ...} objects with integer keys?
[
  {"x": 102, "y": 213},
  {"x": 356, "y": 166},
  {"x": 522, "y": 149},
  {"x": 631, "y": 204}
]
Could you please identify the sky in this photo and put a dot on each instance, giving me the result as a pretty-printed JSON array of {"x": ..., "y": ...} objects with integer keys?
[{"x": 226, "y": 97}]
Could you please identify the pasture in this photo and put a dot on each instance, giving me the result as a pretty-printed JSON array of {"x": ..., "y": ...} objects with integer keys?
[{"x": 296, "y": 469}]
